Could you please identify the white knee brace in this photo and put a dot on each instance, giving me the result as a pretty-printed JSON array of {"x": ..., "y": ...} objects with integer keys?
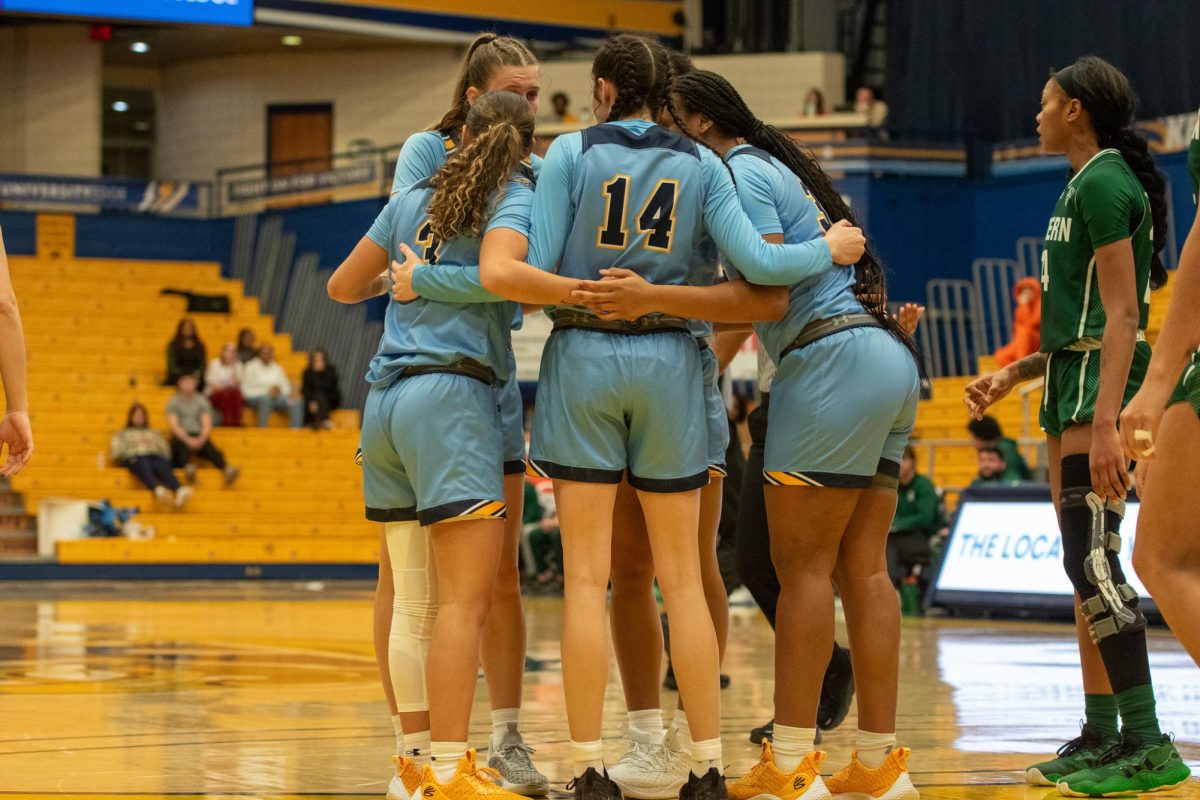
[{"x": 414, "y": 609}]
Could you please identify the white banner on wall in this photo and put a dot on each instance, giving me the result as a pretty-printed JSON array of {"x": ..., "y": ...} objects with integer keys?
[{"x": 1013, "y": 547}]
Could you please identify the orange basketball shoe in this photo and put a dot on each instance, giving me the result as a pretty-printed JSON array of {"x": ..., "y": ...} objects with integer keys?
[
  {"x": 470, "y": 782},
  {"x": 889, "y": 782},
  {"x": 765, "y": 781},
  {"x": 406, "y": 780}
]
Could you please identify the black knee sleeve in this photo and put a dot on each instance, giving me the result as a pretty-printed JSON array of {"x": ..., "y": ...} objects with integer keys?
[{"x": 1123, "y": 651}]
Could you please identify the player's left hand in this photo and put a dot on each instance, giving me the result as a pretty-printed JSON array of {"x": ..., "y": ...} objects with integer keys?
[
  {"x": 401, "y": 274},
  {"x": 16, "y": 433},
  {"x": 909, "y": 316},
  {"x": 1140, "y": 421},
  {"x": 1110, "y": 473},
  {"x": 620, "y": 294}
]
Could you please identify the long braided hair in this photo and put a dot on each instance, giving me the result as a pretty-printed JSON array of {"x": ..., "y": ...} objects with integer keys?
[
  {"x": 486, "y": 53},
  {"x": 704, "y": 92},
  {"x": 1107, "y": 96},
  {"x": 639, "y": 69},
  {"x": 501, "y": 124}
]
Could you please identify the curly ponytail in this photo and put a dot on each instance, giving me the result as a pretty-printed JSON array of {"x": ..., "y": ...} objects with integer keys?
[
  {"x": 486, "y": 54},
  {"x": 1106, "y": 94},
  {"x": 639, "y": 69},
  {"x": 703, "y": 92},
  {"x": 501, "y": 125}
]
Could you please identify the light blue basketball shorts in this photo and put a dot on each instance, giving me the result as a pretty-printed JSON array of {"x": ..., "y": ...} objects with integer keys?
[
  {"x": 512, "y": 420},
  {"x": 714, "y": 412},
  {"x": 842, "y": 409},
  {"x": 611, "y": 402},
  {"x": 432, "y": 450}
]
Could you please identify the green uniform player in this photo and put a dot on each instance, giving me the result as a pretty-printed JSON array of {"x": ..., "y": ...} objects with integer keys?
[
  {"x": 1188, "y": 389},
  {"x": 1102, "y": 203}
]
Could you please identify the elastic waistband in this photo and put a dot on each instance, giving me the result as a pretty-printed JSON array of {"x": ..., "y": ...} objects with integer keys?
[
  {"x": 820, "y": 328},
  {"x": 1090, "y": 343},
  {"x": 648, "y": 324},
  {"x": 463, "y": 366}
]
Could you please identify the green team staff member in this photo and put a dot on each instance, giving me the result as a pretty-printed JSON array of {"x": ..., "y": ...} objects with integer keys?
[
  {"x": 1167, "y": 556},
  {"x": 1099, "y": 265}
]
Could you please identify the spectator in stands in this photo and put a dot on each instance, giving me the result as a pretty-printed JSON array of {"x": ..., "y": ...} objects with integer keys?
[
  {"x": 265, "y": 387},
  {"x": 540, "y": 525},
  {"x": 919, "y": 519},
  {"x": 14, "y": 425},
  {"x": 992, "y": 469},
  {"x": 814, "y": 104},
  {"x": 247, "y": 348},
  {"x": 986, "y": 432},
  {"x": 319, "y": 390},
  {"x": 144, "y": 452},
  {"x": 185, "y": 353},
  {"x": 1027, "y": 323},
  {"x": 223, "y": 385},
  {"x": 865, "y": 102},
  {"x": 561, "y": 102},
  {"x": 189, "y": 415}
]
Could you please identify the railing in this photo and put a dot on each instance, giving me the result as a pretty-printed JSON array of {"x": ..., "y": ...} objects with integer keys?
[
  {"x": 1026, "y": 392},
  {"x": 994, "y": 282},
  {"x": 1035, "y": 445},
  {"x": 955, "y": 327}
]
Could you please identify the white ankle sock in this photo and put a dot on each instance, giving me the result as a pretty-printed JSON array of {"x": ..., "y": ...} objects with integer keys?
[
  {"x": 417, "y": 748},
  {"x": 587, "y": 755},
  {"x": 790, "y": 746},
  {"x": 705, "y": 756},
  {"x": 445, "y": 758},
  {"x": 398, "y": 729},
  {"x": 873, "y": 747},
  {"x": 680, "y": 730},
  {"x": 503, "y": 719},
  {"x": 646, "y": 726}
]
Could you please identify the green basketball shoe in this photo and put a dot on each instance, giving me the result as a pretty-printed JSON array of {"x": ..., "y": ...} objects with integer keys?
[
  {"x": 1085, "y": 750},
  {"x": 1150, "y": 765}
]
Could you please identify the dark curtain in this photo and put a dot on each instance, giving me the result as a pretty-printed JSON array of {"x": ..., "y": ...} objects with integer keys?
[{"x": 975, "y": 69}]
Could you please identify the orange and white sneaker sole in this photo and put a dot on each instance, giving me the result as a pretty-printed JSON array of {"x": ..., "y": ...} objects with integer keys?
[
  {"x": 901, "y": 789},
  {"x": 816, "y": 791}
]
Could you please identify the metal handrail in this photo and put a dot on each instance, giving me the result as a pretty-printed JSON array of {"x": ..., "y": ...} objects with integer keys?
[{"x": 1024, "y": 392}]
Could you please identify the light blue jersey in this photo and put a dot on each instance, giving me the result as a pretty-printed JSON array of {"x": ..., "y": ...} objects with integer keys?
[
  {"x": 633, "y": 194},
  {"x": 428, "y": 332},
  {"x": 424, "y": 153},
  {"x": 778, "y": 202}
]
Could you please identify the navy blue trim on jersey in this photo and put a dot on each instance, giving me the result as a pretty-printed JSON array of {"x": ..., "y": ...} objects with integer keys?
[
  {"x": 655, "y": 137},
  {"x": 392, "y": 514},
  {"x": 751, "y": 150},
  {"x": 888, "y": 467},
  {"x": 670, "y": 485},
  {"x": 549, "y": 469},
  {"x": 514, "y": 467}
]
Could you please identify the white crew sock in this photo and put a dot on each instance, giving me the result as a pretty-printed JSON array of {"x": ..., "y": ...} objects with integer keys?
[
  {"x": 398, "y": 729},
  {"x": 873, "y": 748},
  {"x": 790, "y": 746},
  {"x": 445, "y": 758},
  {"x": 705, "y": 756},
  {"x": 585, "y": 756},
  {"x": 417, "y": 748},
  {"x": 680, "y": 735},
  {"x": 646, "y": 726},
  {"x": 502, "y": 720}
]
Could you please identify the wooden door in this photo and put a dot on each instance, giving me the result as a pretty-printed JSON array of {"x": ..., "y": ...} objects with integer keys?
[{"x": 299, "y": 140}]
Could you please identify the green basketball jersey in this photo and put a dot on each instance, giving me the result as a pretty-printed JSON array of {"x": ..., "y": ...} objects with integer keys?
[{"x": 1103, "y": 203}]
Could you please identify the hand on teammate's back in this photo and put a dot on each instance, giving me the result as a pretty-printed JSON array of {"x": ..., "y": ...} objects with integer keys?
[
  {"x": 846, "y": 243},
  {"x": 619, "y": 294},
  {"x": 16, "y": 433},
  {"x": 402, "y": 290},
  {"x": 909, "y": 316}
]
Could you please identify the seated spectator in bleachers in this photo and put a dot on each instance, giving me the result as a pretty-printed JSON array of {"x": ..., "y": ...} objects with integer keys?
[
  {"x": 223, "y": 385},
  {"x": 919, "y": 519},
  {"x": 266, "y": 388},
  {"x": 986, "y": 432},
  {"x": 1027, "y": 323},
  {"x": 865, "y": 102},
  {"x": 247, "y": 348},
  {"x": 992, "y": 469},
  {"x": 319, "y": 390},
  {"x": 540, "y": 527},
  {"x": 814, "y": 104},
  {"x": 185, "y": 353},
  {"x": 144, "y": 452},
  {"x": 189, "y": 414},
  {"x": 560, "y": 103}
]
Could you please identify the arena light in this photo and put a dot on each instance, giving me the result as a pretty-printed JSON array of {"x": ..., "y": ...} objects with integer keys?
[
  {"x": 140, "y": 47},
  {"x": 292, "y": 40},
  {"x": 120, "y": 106}
]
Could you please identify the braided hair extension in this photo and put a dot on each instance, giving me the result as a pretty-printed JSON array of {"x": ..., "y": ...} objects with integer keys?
[
  {"x": 501, "y": 124},
  {"x": 1106, "y": 94},
  {"x": 486, "y": 53},
  {"x": 704, "y": 92},
  {"x": 639, "y": 69}
]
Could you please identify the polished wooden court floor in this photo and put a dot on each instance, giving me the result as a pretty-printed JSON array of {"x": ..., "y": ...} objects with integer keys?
[{"x": 138, "y": 691}]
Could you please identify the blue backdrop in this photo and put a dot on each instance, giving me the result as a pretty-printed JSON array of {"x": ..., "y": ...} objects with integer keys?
[{"x": 205, "y": 12}]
